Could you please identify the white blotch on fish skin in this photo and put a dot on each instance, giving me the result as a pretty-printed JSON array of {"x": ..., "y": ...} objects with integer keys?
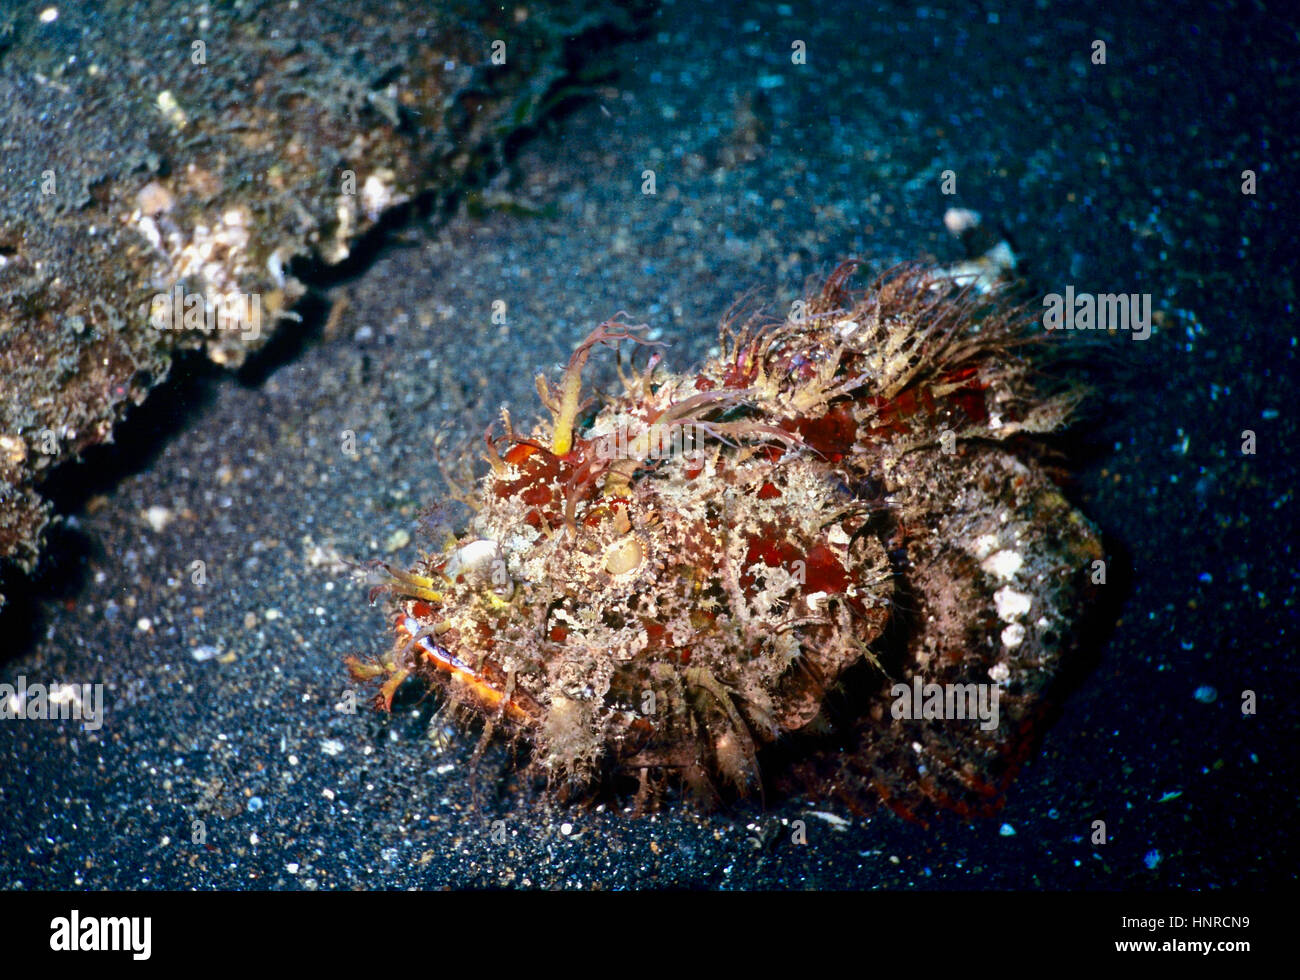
[
  {"x": 1011, "y": 604},
  {"x": 1004, "y": 564}
]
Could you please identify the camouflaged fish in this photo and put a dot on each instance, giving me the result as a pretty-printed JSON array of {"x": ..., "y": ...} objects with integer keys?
[{"x": 829, "y": 561}]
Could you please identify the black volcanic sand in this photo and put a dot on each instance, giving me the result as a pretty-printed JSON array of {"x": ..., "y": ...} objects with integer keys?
[{"x": 1116, "y": 178}]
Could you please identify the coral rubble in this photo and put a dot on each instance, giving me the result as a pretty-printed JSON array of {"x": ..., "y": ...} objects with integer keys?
[{"x": 247, "y": 137}]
